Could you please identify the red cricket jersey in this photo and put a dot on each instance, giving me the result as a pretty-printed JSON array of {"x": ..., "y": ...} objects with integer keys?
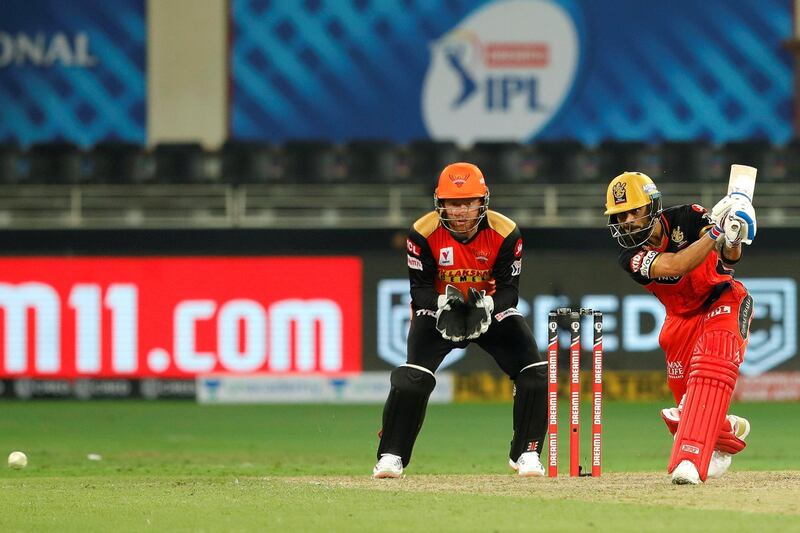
[
  {"x": 491, "y": 260},
  {"x": 681, "y": 295}
]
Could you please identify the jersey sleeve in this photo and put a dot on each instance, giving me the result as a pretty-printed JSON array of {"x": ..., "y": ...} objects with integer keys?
[
  {"x": 698, "y": 220},
  {"x": 421, "y": 271},
  {"x": 637, "y": 263},
  {"x": 506, "y": 271}
]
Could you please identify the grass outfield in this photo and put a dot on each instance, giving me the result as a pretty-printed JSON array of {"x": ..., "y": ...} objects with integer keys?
[{"x": 181, "y": 466}]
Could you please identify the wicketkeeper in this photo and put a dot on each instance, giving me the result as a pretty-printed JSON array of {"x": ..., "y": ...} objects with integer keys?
[
  {"x": 683, "y": 255},
  {"x": 464, "y": 263}
]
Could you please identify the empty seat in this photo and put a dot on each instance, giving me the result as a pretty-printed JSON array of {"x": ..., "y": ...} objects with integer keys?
[
  {"x": 617, "y": 157},
  {"x": 568, "y": 161},
  {"x": 691, "y": 161},
  {"x": 500, "y": 161},
  {"x": 371, "y": 161},
  {"x": 781, "y": 163},
  {"x": 119, "y": 162},
  {"x": 184, "y": 163},
  {"x": 57, "y": 162},
  {"x": 250, "y": 162},
  {"x": 13, "y": 164},
  {"x": 312, "y": 161},
  {"x": 426, "y": 158}
]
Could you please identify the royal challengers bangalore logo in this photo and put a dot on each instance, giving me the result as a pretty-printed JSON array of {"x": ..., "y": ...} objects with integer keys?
[
  {"x": 677, "y": 236},
  {"x": 620, "y": 194}
]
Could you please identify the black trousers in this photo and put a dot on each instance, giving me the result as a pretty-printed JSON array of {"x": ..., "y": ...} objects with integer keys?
[{"x": 509, "y": 341}]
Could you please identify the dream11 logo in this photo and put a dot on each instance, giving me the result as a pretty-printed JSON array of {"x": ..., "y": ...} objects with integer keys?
[{"x": 502, "y": 73}]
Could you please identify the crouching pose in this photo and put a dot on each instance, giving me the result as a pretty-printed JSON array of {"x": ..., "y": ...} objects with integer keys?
[
  {"x": 464, "y": 263},
  {"x": 683, "y": 255}
]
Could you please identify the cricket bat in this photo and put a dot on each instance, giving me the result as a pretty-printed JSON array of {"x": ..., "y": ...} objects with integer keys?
[{"x": 742, "y": 181}]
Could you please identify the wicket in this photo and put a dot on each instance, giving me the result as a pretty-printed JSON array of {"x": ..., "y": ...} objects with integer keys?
[{"x": 574, "y": 389}]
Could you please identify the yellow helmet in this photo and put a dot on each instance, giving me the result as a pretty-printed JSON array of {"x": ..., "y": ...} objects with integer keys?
[
  {"x": 626, "y": 192},
  {"x": 630, "y": 190}
]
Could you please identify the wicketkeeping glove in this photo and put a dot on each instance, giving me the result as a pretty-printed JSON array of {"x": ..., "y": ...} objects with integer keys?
[
  {"x": 450, "y": 314},
  {"x": 479, "y": 313}
]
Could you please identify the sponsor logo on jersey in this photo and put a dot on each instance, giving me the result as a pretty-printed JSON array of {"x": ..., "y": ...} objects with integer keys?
[
  {"x": 720, "y": 310},
  {"x": 636, "y": 262},
  {"x": 647, "y": 262},
  {"x": 511, "y": 311},
  {"x": 516, "y": 267},
  {"x": 414, "y": 263},
  {"x": 699, "y": 208},
  {"x": 446, "y": 256},
  {"x": 482, "y": 256},
  {"x": 674, "y": 370},
  {"x": 518, "y": 248},
  {"x": 412, "y": 248},
  {"x": 465, "y": 275},
  {"x": 426, "y": 312},
  {"x": 745, "y": 316}
]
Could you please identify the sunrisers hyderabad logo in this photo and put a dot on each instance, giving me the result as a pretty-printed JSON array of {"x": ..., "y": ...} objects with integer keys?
[
  {"x": 502, "y": 73},
  {"x": 458, "y": 180},
  {"x": 620, "y": 192}
]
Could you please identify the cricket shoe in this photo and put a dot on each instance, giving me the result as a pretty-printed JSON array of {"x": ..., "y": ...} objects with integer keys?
[
  {"x": 389, "y": 466},
  {"x": 685, "y": 474},
  {"x": 528, "y": 465},
  {"x": 721, "y": 461}
]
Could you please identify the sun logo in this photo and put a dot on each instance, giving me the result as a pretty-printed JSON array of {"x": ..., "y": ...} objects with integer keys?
[
  {"x": 457, "y": 180},
  {"x": 620, "y": 194}
]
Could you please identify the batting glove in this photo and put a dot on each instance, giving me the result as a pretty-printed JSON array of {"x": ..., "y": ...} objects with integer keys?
[{"x": 742, "y": 221}]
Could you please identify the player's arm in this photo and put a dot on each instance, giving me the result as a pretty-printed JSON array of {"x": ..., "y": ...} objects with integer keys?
[
  {"x": 506, "y": 271},
  {"x": 421, "y": 271},
  {"x": 730, "y": 253},
  {"x": 681, "y": 263}
]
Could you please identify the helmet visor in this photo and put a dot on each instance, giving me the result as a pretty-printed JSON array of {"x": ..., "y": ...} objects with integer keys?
[
  {"x": 636, "y": 231},
  {"x": 461, "y": 217}
]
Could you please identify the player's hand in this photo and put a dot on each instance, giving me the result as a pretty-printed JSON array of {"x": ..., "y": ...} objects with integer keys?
[
  {"x": 721, "y": 209},
  {"x": 450, "y": 314},
  {"x": 741, "y": 222},
  {"x": 479, "y": 313}
]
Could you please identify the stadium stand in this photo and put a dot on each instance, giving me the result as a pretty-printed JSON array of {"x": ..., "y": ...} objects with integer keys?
[{"x": 363, "y": 183}]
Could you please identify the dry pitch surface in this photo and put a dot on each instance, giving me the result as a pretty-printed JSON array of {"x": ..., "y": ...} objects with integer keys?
[{"x": 755, "y": 492}]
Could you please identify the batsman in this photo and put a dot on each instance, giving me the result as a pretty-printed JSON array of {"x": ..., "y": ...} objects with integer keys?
[
  {"x": 464, "y": 263},
  {"x": 683, "y": 256}
]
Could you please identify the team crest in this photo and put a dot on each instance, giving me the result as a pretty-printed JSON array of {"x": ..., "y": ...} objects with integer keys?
[
  {"x": 458, "y": 180},
  {"x": 677, "y": 236},
  {"x": 619, "y": 192}
]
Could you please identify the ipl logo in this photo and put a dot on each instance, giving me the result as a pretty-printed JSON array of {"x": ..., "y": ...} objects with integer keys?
[
  {"x": 394, "y": 315},
  {"x": 773, "y": 337},
  {"x": 503, "y": 73}
]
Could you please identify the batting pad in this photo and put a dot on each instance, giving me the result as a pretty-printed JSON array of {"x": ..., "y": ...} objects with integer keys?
[{"x": 712, "y": 377}]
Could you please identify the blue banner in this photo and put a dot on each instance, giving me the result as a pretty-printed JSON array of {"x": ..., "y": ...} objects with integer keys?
[
  {"x": 72, "y": 70},
  {"x": 512, "y": 70}
]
